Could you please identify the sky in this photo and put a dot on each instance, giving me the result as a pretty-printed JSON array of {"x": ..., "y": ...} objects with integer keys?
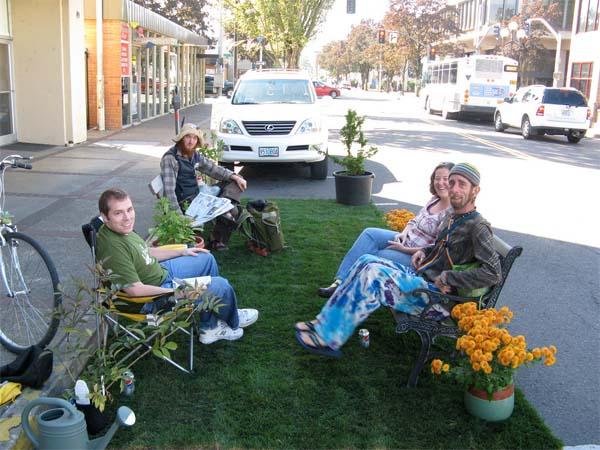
[{"x": 337, "y": 25}]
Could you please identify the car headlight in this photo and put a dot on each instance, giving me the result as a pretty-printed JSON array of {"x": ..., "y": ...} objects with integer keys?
[
  {"x": 310, "y": 126},
  {"x": 229, "y": 126}
]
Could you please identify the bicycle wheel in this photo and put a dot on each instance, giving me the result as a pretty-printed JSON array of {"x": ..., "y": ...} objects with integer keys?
[{"x": 28, "y": 316}]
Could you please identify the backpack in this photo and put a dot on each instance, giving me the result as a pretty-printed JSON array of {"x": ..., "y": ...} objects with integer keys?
[{"x": 260, "y": 223}]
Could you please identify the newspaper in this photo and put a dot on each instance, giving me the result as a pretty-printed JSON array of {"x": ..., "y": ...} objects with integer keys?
[
  {"x": 207, "y": 207},
  {"x": 197, "y": 281}
]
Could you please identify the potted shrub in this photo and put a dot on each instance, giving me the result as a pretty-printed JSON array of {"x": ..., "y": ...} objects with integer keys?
[
  {"x": 487, "y": 361},
  {"x": 354, "y": 184},
  {"x": 96, "y": 356},
  {"x": 171, "y": 227}
]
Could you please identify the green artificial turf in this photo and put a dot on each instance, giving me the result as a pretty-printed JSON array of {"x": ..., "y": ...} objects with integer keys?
[{"x": 265, "y": 391}]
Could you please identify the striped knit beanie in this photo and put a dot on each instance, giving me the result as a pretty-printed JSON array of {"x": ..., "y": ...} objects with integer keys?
[{"x": 468, "y": 171}]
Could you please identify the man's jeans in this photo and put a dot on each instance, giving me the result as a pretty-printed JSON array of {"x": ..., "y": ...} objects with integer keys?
[
  {"x": 200, "y": 265},
  {"x": 372, "y": 241}
]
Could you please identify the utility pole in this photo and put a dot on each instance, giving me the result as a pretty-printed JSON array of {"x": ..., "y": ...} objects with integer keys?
[{"x": 219, "y": 74}]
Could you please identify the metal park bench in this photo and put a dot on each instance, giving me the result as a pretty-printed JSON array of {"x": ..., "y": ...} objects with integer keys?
[{"x": 428, "y": 330}]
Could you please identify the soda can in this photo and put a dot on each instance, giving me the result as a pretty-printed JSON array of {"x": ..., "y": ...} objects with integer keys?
[
  {"x": 363, "y": 335},
  {"x": 128, "y": 383}
]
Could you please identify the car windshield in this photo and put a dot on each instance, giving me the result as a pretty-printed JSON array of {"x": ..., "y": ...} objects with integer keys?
[
  {"x": 252, "y": 92},
  {"x": 563, "y": 97}
]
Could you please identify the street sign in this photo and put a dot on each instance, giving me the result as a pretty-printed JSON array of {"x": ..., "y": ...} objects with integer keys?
[
  {"x": 260, "y": 63},
  {"x": 393, "y": 37}
]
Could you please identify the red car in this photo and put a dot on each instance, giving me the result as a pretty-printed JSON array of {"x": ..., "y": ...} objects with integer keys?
[{"x": 322, "y": 89}]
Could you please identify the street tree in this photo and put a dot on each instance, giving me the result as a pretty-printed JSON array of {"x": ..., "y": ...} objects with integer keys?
[
  {"x": 335, "y": 58},
  {"x": 189, "y": 14},
  {"x": 420, "y": 23},
  {"x": 531, "y": 51},
  {"x": 287, "y": 25},
  {"x": 363, "y": 50}
]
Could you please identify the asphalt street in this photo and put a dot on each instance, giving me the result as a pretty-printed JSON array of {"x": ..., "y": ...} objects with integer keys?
[{"x": 538, "y": 194}]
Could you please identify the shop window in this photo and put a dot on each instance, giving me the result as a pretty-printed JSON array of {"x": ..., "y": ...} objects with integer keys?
[
  {"x": 581, "y": 77},
  {"x": 4, "y": 29}
]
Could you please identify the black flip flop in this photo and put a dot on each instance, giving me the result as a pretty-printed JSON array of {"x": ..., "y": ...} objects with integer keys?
[
  {"x": 316, "y": 347},
  {"x": 309, "y": 327}
]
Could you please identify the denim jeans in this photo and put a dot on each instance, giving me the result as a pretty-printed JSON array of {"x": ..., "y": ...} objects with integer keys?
[
  {"x": 197, "y": 266},
  {"x": 372, "y": 241}
]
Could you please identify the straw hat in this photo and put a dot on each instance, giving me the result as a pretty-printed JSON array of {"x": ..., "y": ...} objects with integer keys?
[{"x": 190, "y": 128}]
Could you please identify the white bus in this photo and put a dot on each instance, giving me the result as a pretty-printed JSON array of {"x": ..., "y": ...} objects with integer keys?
[{"x": 472, "y": 84}]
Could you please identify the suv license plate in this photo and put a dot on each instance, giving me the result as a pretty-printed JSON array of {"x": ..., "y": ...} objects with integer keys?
[
  {"x": 566, "y": 112},
  {"x": 268, "y": 151}
]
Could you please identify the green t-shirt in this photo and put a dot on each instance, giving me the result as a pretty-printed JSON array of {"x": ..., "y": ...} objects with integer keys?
[{"x": 127, "y": 255}]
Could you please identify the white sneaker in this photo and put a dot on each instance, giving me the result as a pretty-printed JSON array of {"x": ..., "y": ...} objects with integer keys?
[
  {"x": 247, "y": 316},
  {"x": 221, "y": 331}
]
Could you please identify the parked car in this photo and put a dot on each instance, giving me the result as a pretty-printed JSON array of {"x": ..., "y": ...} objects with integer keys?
[
  {"x": 323, "y": 90},
  {"x": 346, "y": 85},
  {"x": 539, "y": 110},
  {"x": 209, "y": 83},
  {"x": 273, "y": 117}
]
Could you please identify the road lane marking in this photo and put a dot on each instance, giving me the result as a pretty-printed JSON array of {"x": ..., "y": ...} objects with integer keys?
[{"x": 510, "y": 151}]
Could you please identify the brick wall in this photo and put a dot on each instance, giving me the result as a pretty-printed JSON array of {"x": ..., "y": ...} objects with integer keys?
[
  {"x": 112, "y": 74},
  {"x": 90, "y": 44}
]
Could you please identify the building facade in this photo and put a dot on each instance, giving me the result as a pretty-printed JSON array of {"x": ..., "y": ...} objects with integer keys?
[
  {"x": 584, "y": 58},
  {"x": 70, "y": 65}
]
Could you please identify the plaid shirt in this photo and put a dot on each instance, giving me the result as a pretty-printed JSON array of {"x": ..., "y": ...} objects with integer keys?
[
  {"x": 471, "y": 241},
  {"x": 169, "y": 168}
]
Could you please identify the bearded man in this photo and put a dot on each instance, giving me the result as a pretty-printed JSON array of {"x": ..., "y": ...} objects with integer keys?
[
  {"x": 180, "y": 167},
  {"x": 465, "y": 238}
]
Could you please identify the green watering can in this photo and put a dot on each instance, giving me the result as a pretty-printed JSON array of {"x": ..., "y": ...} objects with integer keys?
[{"x": 64, "y": 428}]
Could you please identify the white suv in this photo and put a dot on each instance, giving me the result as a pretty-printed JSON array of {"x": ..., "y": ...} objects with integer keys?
[
  {"x": 273, "y": 117},
  {"x": 539, "y": 110}
]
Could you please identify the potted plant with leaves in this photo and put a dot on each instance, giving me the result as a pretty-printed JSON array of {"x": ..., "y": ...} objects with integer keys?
[
  {"x": 353, "y": 185},
  {"x": 171, "y": 227},
  {"x": 213, "y": 150},
  {"x": 488, "y": 359},
  {"x": 90, "y": 352}
]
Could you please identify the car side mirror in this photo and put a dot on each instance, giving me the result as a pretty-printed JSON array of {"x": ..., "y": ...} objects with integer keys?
[
  {"x": 508, "y": 99},
  {"x": 229, "y": 94}
]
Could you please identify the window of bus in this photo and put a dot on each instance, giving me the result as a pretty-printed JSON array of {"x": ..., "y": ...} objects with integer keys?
[
  {"x": 453, "y": 73},
  {"x": 589, "y": 15},
  {"x": 445, "y": 73},
  {"x": 503, "y": 9},
  {"x": 581, "y": 77}
]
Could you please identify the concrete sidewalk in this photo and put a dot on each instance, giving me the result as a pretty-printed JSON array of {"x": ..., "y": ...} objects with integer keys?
[{"x": 53, "y": 200}]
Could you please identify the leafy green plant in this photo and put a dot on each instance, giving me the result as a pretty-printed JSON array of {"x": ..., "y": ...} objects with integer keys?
[
  {"x": 213, "y": 150},
  {"x": 351, "y": 133},
  {"x": 106, "y": 357},
  {"x": 171, "y": 227}
]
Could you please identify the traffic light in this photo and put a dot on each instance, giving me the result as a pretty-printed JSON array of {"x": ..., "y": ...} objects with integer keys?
[
  {"x": 350, "y": 6},
  {"x": 431, "y": 53},
  {"x": 381, "y": 36},
  {"x": 496, "y": 30}
]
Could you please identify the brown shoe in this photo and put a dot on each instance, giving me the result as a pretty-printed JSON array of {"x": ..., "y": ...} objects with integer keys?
[
  {"x": 327, "y": 292},
  {"x": 216, "y": 246}
]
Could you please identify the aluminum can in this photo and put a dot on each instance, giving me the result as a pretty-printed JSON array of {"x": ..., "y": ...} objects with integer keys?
[
  {"x": 363, "y": 335},
  {"x": 129, "y": 383}
]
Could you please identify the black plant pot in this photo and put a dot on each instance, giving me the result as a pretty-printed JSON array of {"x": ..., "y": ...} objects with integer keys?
[
  {"x": 353, "y": 189},
  {"x": 95, "y": 420}
]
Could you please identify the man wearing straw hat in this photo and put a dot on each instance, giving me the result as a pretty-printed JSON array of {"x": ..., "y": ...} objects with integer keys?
[{"x": 178, "y": 169}]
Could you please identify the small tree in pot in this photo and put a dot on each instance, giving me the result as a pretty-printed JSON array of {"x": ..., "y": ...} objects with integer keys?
[{"x": 353, "y": 185}]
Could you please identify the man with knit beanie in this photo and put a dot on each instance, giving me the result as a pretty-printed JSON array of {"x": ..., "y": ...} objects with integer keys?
[{"x": 465, "y": 239}]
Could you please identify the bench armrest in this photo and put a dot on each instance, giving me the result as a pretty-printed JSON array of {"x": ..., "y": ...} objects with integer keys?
[{"x": 435, "y": 297}]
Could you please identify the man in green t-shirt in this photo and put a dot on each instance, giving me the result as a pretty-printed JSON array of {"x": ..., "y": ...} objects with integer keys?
[{"x": 147, "y": 271}]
